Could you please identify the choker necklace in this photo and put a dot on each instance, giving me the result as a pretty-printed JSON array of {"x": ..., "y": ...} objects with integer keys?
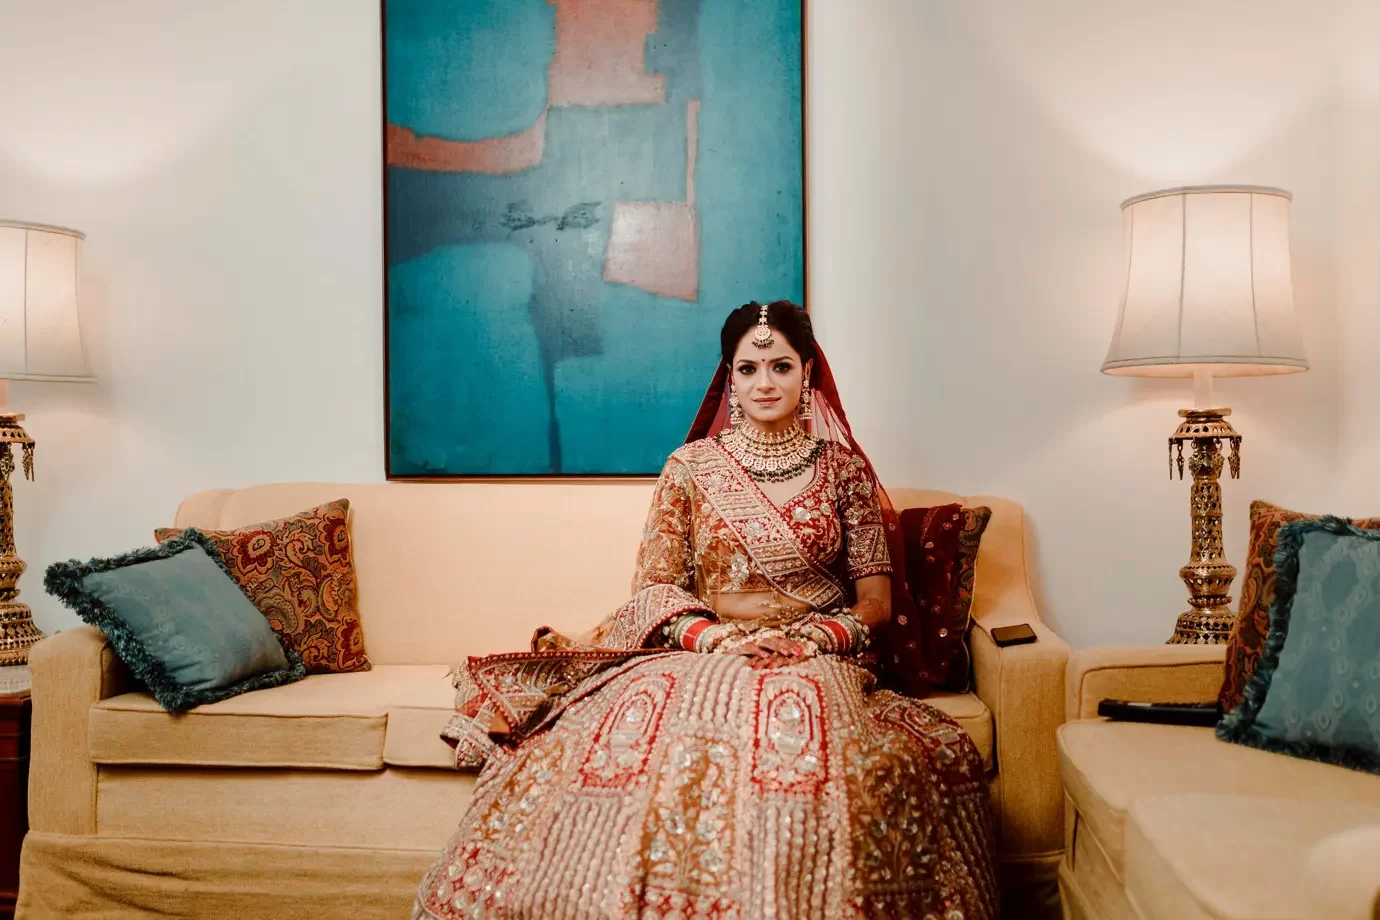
[{"x": 772, "y": 456}]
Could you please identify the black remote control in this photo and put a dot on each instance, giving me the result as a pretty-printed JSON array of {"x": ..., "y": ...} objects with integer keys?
[{"x": 1203, "y": 714}]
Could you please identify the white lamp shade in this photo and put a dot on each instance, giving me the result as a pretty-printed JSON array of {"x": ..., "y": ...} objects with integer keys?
[
  {"x": 40, "y": 331},
  {"x": 1207, "y": 285}
]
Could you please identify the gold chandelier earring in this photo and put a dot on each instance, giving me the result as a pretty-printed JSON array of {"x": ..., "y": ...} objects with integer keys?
[
  {"x": 735, "y": 409},
  {"x": 806, "y": 410}
]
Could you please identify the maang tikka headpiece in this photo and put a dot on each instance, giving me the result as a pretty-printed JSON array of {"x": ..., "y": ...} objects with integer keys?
[{"x": 762, "y": 336}]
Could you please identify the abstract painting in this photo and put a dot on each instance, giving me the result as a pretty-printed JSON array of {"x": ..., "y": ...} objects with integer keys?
[{"x": 577, "y": 193}]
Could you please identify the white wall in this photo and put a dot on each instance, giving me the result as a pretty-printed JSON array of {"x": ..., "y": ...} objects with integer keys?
[
  {"x": 968, "y": 160},
  {"x": 224, "y": 161},
  {"x": 1357, "y": 232},
  {"x": 966, "y": 164}
]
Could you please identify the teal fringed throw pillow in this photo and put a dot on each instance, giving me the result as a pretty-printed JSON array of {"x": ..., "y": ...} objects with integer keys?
[
  {"x": 1316, "y": 692},
  {"x": 178, "y": 621}
]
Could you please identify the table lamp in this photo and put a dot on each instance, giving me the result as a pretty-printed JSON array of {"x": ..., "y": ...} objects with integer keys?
[
  {"x": 40, "y": 339},
  {"x": 1207, "y": 293}
]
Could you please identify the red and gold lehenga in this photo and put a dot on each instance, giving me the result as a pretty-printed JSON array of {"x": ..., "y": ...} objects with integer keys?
[{"x": 623, "y": 778}]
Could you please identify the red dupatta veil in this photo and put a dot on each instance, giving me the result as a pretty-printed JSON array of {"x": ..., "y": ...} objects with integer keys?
[{"x": 830, "y": 423}]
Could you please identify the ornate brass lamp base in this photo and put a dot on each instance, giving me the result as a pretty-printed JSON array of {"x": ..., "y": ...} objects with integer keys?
[
  {"x": 18, "y": 633},
  {"x": 17, "y": 630},
  {"x": 1208, "y": 574}
]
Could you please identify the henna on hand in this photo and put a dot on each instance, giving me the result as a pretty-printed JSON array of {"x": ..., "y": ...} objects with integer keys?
[
  {"x": 773, "y": 661},
  {"x": 772, "y": 652},
  {"x": 871, "y": 612},
  {"x": 789, "y": 648}
]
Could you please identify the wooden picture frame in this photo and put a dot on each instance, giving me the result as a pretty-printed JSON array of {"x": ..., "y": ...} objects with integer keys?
[{"x": 576, "y": 193}]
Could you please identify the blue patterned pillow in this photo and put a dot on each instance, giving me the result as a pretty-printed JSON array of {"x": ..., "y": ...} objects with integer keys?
[
  {"x": 1316, "y": 693},
  {"x": 178, "y": 621}
]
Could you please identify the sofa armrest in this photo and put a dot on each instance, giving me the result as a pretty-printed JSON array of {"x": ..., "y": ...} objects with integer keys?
[
  {"x": 1343, "y": 874},
  {"x": 1023, "y": 686},
  {"x": 1144, "y": 673},
  {"x": 72, "y": 670}
]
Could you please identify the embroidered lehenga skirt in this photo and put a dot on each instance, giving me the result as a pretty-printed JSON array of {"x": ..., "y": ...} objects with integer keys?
[
  {"x": 633, "y": 782},
  {"x": 680, "y": 785}
]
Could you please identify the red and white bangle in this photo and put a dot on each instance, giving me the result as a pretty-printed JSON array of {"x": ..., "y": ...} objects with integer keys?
[
  {"x": 696, "y": 633},
  {"x": 839, "y": 634}
]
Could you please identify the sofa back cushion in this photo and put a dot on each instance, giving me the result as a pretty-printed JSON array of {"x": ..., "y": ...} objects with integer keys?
[{"x": 451, "y": 569}]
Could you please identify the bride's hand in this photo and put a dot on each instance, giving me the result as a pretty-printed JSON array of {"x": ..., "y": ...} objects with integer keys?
[
  {"x": 873, "y": 606},
  {"x": 759, "y": 659},
  {"x": 871, "y": 612},
  {"x": 789, "y": 648},
  {"x": 773, "y": 652}
]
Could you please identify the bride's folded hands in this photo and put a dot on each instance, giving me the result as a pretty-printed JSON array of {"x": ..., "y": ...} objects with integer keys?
[{"x": 774, "y": 652}]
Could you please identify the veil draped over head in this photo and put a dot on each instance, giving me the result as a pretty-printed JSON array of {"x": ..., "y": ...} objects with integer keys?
[{"x": 831, "y": 424}]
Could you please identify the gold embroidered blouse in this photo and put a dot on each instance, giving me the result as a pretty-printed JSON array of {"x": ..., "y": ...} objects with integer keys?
[{"x": 711, "y": 530}]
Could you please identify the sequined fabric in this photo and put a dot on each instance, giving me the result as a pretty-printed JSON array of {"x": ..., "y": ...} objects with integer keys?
[
  {"x": 505, "y": 697},
  {"x": 928, "y": 650},
  {"x": 692, "y": 786},
  {"x": 712, "y": 531},
  {"x": 622, "y": 779}
]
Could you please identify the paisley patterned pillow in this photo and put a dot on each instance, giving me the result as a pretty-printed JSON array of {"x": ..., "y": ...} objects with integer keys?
[
  {"x": 975, "y": 522},
  {"x": 941, "y": 567},
  {"x": 1257, "y": 595},
  {"x": 299, "y": 572}
]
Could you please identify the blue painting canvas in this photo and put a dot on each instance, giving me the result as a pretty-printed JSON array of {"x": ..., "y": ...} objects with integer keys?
[{"x": 577, "y": 193}]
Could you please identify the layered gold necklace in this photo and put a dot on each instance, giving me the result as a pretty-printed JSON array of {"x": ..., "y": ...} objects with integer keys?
[{"x": 772, "y": 456}]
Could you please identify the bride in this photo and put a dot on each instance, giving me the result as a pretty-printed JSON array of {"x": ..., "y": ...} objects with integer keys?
[{"x": 716, "y": 748}]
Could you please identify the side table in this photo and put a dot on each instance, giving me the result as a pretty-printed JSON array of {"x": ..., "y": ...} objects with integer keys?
[{"x": 15, "y": 684}]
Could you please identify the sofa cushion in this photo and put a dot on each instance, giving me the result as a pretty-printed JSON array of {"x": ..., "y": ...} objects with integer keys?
[
  {"x": 413, "y": 738},
  {"x": 391, "y": 715},
  {"x": 1108, "y": 766},
  {"x": 1228, "y": 857},
  {"x": 1344, "y": 874},
  {"x": 973, "y": 717},
  {"x": 377, "y": 809},
  {"x": 1091, "y": 887},
  {"x": 327, "y": 721}
]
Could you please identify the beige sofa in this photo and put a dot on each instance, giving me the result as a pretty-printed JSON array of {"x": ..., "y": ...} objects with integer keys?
[
  {"x": 329, "y": 798},
  {"x": 1169, "y": 823}
]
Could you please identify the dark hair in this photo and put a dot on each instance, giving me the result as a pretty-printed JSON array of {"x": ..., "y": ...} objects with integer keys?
[{"x": 785, "y": 317}]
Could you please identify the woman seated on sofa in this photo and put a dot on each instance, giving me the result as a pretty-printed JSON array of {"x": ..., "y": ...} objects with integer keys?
[{"x": 716, "y": 747}]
